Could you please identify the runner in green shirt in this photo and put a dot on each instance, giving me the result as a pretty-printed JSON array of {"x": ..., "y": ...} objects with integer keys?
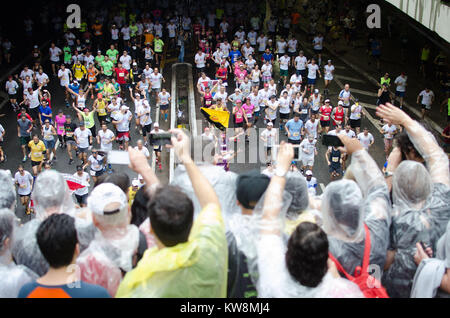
[
  {"x": 158, "y": 45},
  {"x": 67, "y": 55},
  {"x": 99, "y": 87},
  {"x": 133, "y": 29},
  {"x": 112, "y": 54},
  {"x": 107, "y": 67},
  {"x": 99, "y": 58}
]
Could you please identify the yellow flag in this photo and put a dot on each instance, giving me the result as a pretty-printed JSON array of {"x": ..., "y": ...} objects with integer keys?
[{"x": 219, "y": 118}]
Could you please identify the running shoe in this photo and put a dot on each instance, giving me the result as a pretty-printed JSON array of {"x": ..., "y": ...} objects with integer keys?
[
  {"x": 24, "y": 159},
  {"x": 70, "y": 161}
]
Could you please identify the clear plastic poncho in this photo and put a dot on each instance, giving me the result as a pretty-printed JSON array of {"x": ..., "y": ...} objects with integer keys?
[
  {"x": 104, "y": 260},
  {"x": 51, "y": 195},
  {"x": 269, "y": 270},
  {"x": 12, "y": 276},
  {"x": 224, "y": 183},
  {"x": 7, "y": 190},
  {"x": 347, "y": 205},
  {"x": 420, "y": 208}
]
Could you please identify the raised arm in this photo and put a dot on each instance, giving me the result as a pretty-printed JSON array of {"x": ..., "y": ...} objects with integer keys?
[
  {"x": 423, "y": 141},
  {"x": 203, "y": 190}
]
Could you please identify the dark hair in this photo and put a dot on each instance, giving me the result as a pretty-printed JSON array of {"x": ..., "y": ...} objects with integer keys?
[
  {"x": 171, "y": 215},
  {"x": 139, "y": 212},
  {"x": 405, "y": 145},
  {"x": 307, "y": 254},
  {"x": 120, "y": 179},
  {"x": 57, "y": 239}
]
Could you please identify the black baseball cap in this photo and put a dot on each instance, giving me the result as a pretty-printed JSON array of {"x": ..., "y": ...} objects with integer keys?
[{"x": 250, "y": 187}]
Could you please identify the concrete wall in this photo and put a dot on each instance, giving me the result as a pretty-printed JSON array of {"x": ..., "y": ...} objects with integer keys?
[{"x": 433, "y": 14}]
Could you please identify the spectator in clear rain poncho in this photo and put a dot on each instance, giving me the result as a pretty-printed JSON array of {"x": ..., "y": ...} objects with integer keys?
[
  {"x": 420, "y": 196},
  {"x": 12, "y": 276},
  {"x": 7, "y": 190},
  {"x": 348, "y": 207},
  {"x": 50, "y": 195},
  {"x": 111, "y": 252},
  {"x": 301, "y": 265},
  {"x": 432, "y": 278},
  {"x": 190, "y": 259}
]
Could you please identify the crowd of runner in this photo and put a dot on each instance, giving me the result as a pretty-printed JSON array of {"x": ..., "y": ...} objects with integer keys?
[{"x": 212, "y": 233}]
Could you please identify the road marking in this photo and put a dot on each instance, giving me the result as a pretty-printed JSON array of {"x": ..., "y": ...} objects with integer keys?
[
  {"x": 56, "y": 148},
  {"x": 322, "y": 186},
  {"x": 340, "y": 67},
  {"x": 371, "y": 106},
  {"x": 351, "y": 79}
]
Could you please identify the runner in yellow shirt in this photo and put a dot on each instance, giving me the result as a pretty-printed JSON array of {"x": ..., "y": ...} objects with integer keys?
[
  {"x": 79, "y": 71},
  {"x": 37, "y": 149}
]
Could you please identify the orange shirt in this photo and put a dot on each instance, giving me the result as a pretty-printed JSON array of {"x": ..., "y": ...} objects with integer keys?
[
  {"x": 148, "y": 38},
  {"x": 295, "y": 18},
  {"x": 97, "y": 29}
]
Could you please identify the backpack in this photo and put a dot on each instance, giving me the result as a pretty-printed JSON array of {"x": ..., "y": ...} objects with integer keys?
[{"x": 361, "y": 276}]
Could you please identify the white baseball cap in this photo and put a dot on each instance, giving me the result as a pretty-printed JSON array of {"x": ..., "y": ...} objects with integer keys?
[
  {"x": 123, "y": 107},
  {"x": 106, "y": 199},
  {"x": 340, "y": 103},
  {"x": 309, "y": 173},
  {"x": 156, "y": 125},
  {"x": 135, "y": 183},
  {"x": 269, "y": 123}
]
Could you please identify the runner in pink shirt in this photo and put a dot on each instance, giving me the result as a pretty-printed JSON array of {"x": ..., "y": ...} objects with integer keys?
[
  {"x": 60, "y": 120},
  {"x": 249, "y": 109},
  {"x": 239, "y": 117}
]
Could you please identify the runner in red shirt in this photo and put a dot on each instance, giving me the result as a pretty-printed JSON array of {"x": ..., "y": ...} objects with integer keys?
[
  {"x": 121, "y": 78},
  {"x": 325, "y": 113},
  {"x": 222, "y": 73},
  {"x": 338, "y": 115},
  {"x": 24, "y": 111}
]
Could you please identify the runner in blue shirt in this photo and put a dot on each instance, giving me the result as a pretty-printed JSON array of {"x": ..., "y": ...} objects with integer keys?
[
  {"x": 234, "y": 54},
  {"x": 295, "y": 131}
]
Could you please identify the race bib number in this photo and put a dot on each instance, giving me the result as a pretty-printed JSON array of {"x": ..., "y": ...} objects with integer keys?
[
  {"x": 156, "y": 147},
  {"x": 326, "y": 117},
  {"x": 335, "y": 159},
  {"x": 208, "y": 102},
  {"x": 37, "y": 154},
  {"x": 304, "y": 111},
  {"x": 296, "y": 134},
  {"x": 92, "y": 173}
]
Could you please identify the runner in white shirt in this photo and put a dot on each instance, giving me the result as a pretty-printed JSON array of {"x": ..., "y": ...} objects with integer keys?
[
  {"x": 262, "y": 43},
  {"x": 226, "y": 48},
  {"x": 158, "y": 28},
  {"x": 126, "y": 59},
  {"x": 105, "y": 138},
  {"x": 292, "y": 47},
  {"x": 356, "y": 112},
  {"x": 328, "y": 76},
  {"x": 366, "y": 139},
  {"x": 308, "y": 152},
  {"x": 400, "y": 90},
  {"x": 247, "y": 50},
  {"x": 81, "y": 194},
  {"x": 55, "y": 52},
  {"x": 427, "y": 100},
  {"x": 125, "y": 33},
  {"x": 65, "y": 77},
  {"x": 140, "y": 147},
  {"x": 345, "y": 96},
  {"x": 313, "y": 68},
  {"x": 155, "y": 80},
  {"x": 285, "y": 108},
  {"x": 83, "y": 138},
  {"x": 284, "y": 67},
  {"x": 266, "y": 70},
  {"x": 156, "y": 148},
  {"x": 300, "y": 63},
  {"x": 271, "y": 110},
  {"x": 42, "y": 78},
  {"x": 96, "y": 163},
  {"x": 122, "y": 121},
  {"x": 26, "y": 72},
  {"x": 222, "y": 94},
  {"x": 200, "y": 61},
  {"x": 251, "y": 36},
  {"x": 163, "y": 100},
  {"x": 389, "y": 132},
  {"x": 281, "y": 47},
  {"x": 264, "y": 96},
  {"x": 11, "y": 88},
  {"x": 24, "y": 181},
  {"x": 318, "y": 47},
  {"x": 311, "y": 126},
  {"x": 269, "y": 137}
]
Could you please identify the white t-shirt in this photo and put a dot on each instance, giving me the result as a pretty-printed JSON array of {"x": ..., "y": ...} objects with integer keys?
[
  {"x": 281, "y": 47},
  {"x": 126, "y": 33},
  {"x": 158, "y": 29},
  {"x": 252, "y": 37},
  {"x": 356, "y": 112},
  {"x": 247, "y": 51},
  {"x": 64, "y": 77},
  {"x": 312, "y": 70},
  {"x": 272, "y": 114},
  {"x": 263, "y": 96},
  {"x": 267, "y": 69},
  {"x": 401, "y": 83},
  {"x": 105, "y": 138},
  {"x": 144, "y": 150},
  {"x": 200, "y": 60},
  {"x": 84, "y": 179},
  {"x": 126, "y": 62},
  {"x": 155, "y": 80},
  {"x": 226, "y": 48},
  {"x": 24, "y": 182},
  {"x": 54, "y": 54},
  {"x": 284, "y": 105},
  {"x": 145, "y": 119},
  {"x": 328, "y": 72},
  {"x": 292, "y": 45},
  {"x": 41, "y": 78},
  {"x": 300, "y": 62},
  {"x": 96, "y": 163},
  {"x": 270, "y": 136},
  {"x": 123, "y": 119},
  {"x": 350, "y": 133},
  {"x": 82, "y": 137},
  {"x": 89, "y": 59},
  {"x": 345, "y": 95},
  {"x": 147, "y": 72},
  {"x": 365, "y": 140},
  {"x": 295, "y": 78},
  {"x": 171, "y": 28},
  {"x": 284, "y": 62},
  {"x": 318, "y": 43},
  {"x": 33, "y": 98},
  {"x": 24, "y": 74},
  {"x": 12, "y": 87},
  {"x": 223, "y": 95},
  {"x": 389, "y": 131},
  {"x": 308, "y": 147},
  {"x": 262, "y": 43},
  {"x": 312, "y": 127},
  {"x": 164, "y": 98},
  {"x": 114, "y": 34},
  {"x": 224, "y": 26},
  {"x": 426, "y": 97}
]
